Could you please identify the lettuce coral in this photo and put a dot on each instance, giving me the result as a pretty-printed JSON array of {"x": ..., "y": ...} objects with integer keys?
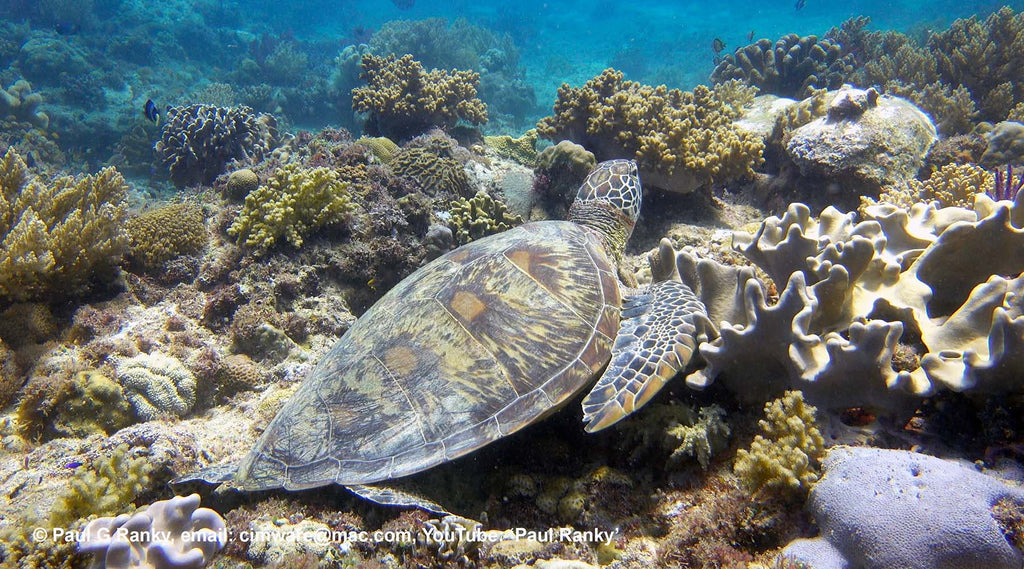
[
  {"x": 58, "y": 239},
  {"x": 680, "y": 140},
  {"x": 404, "y": 100},
  {"x": 294, "y": 203}
]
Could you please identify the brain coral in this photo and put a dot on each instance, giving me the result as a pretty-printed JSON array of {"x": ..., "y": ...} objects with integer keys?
[
  {"x": 680, "y": 140},
  {"x": 403, "y": 100},
  {"x": 437, "y": 173},
  {"x": 156, "y": 385},
  {"x": 164, "y": 233},
  {"x": 58, "y": 239},
  {"x": 199, "y": 140},
  {"x": 294, "y": 203},
  {"x": 793, "y": 67}
]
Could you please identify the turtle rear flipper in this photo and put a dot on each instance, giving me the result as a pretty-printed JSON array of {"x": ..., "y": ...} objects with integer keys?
[
  {"x": 218, "y": 474},
  {"x": 657, "y": 337},
  {"x": 395, "y": 497}
]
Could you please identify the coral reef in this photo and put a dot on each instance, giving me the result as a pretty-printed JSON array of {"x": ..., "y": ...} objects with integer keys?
[
  {"x": 381, "y": 147},
  {"x": 680, "y": 140},
  {"x": 791, "y": 67},
  {"x": 404, "y": 100},
  {"x": 199, "y": 140},
  {"x": 162, "y": 234},
  {"x": 92, "y": 403},
  {"x": 786, "y": 455},
  {"x": 440, "y": 45},
  {"x": 61, "y": 238},
  {"x": 478, "y": 217},
  {"x": 20, "y": 103},
  {"x": 1005, "y": 143},
  {"x": 680, "y": 430},
  {"x": 293, "y": 204},
  {"x": 183, "y": 535},
  {"x": 878, "y": 508},
  {"x": 156, "y": 385}
]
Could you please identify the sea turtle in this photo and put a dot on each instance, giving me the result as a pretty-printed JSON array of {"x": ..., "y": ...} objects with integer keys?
[{"x": 479, "y": 343}]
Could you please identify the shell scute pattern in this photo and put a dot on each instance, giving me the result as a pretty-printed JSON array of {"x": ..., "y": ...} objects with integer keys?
[{"x": 475, "y": 345}]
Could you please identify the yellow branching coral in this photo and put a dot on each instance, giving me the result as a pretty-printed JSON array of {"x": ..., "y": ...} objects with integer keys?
[
  {"x": 681, "y": 140},
  {"x": 478, "y": 217},
  {"x": 164, "y": 233},
  {"x": 405, "y": 100},
  {"x": 522, "y": 149},
  {"x": 106, "y": 487},
  {"x": 786, "y": 456},
  {"x": 294, "y": 203},
  {"x": 60, "y": 238},
  {"x": 951, "y": 185}
]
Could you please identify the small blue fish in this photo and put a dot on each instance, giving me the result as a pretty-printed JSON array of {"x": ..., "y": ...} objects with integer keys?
[
  {"x": 800, "y": 4},
  {"x": 74, "y": 464},
  {"x": 152, "y": 113}
]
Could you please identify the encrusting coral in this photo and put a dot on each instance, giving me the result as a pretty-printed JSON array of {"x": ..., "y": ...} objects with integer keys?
[
  {"x": 404, "y": 100},
  {"x": 59, "y": 238},
  {"x": 786, "y": 456},
  {"x": 522, "y": 149},
  {"x": 480, "y": 216},
  {"x": 791, "y": 67},
  {"x": 293, "y": 204},
  {"x": 680, "y": 140},
  {"x": 198, "y": 141},
  {"x": 162, "y": 234}
]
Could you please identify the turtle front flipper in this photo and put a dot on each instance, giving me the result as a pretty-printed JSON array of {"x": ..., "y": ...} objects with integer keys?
[{"x": 657, "y": 336}]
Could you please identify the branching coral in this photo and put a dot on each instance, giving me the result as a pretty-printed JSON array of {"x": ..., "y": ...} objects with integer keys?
[
  {"x": 984, "y": 57},
  {"x": 107, "y": 486},
  {"x": 480, "y": 216},
  {"x": 680, "y": 140},
  {"x": 58, "y": 239},
  {"x": 951, "y": 185},
  {"x": 792, "y": 67},
  {"x": 162, "y": 234},
  {"x": 199, "y": 140},
  {"x": 404, "y": 100},
  {"x": 786, "y": 456},
  {"x": 437, "y": 44},
  {"x": 294, "y": 203}
]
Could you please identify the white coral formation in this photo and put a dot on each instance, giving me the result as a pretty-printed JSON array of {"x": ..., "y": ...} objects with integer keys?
[
  {"x": 945, "y": 281},
  {"x": 156, "y": 385},
  {"x": 169, "y": 534}
]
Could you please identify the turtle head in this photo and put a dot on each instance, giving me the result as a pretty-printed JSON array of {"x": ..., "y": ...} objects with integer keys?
[{"x": 609, "y": 202}]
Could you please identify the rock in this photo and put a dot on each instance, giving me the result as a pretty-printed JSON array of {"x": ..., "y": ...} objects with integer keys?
[
  {"x": 867, "y": 140},
  {"x": 879, "y": 508}
]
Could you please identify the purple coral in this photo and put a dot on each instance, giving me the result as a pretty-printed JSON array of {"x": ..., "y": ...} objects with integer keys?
[{"x": 1006, "y": 187}]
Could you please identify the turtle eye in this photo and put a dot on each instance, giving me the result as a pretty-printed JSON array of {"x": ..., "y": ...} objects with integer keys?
[{"x": 616, "y": 182}]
